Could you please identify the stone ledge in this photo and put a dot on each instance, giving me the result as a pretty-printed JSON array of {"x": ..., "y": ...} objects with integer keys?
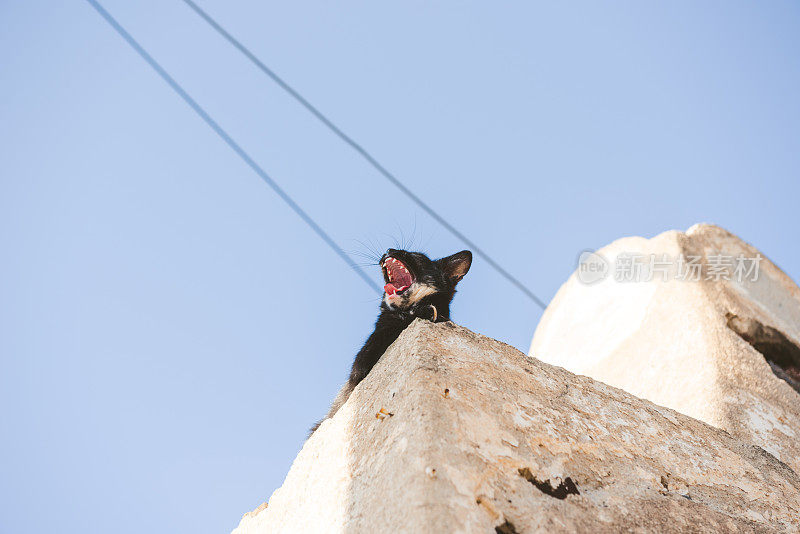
[
  {"x": 710, "y": 349},
  {"x": 477, "y": 437}
]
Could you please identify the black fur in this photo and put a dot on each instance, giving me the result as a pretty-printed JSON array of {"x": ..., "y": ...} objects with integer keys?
[{"x": 429, "y": 297}]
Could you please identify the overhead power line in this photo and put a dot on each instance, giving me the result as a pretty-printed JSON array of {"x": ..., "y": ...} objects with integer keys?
[
  {"x": 231, "y": 143},
  {"x": 361, "y": 150}
]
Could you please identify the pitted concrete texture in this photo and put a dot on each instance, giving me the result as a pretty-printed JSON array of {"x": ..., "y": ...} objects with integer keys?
[
  {"x": 724, "y": 349},
  {"x": 456, "y": 432}
]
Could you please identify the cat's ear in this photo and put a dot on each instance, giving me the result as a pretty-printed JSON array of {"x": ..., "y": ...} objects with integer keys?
[{"x": 456, "y": 266}]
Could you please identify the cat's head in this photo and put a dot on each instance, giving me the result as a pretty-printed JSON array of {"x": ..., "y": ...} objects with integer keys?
[{"x": 414, "y": 280}]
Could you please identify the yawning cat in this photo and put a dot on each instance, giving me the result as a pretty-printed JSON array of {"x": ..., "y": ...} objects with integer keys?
[{"x": 416, "y": 286}]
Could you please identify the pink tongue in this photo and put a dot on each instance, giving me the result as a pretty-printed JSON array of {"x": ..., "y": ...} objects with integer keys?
[{"x": 391, "y": 290}]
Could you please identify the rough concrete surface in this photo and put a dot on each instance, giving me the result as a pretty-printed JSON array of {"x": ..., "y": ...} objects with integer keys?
[
  {"x": 456, "y": 432},
  {"x": 685, "y": 344}
]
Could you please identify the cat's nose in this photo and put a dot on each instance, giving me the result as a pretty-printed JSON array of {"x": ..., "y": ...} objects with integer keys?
[{"x": 392, "y": 252}]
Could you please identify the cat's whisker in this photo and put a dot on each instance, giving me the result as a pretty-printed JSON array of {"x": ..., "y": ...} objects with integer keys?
[{"x": 370, "y": 251}]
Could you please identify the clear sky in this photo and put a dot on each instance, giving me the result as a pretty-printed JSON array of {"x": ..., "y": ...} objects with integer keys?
[{"x": 169, "y": 329}]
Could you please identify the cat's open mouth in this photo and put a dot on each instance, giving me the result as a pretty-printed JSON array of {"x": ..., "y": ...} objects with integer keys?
[{"x": 397, "y": 276}]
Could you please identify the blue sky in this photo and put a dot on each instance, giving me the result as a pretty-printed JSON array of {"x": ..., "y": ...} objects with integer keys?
[{"x": 169, "y": 329}]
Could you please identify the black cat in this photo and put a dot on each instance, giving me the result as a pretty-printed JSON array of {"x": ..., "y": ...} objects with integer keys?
[{"x": 416, "y": 286}]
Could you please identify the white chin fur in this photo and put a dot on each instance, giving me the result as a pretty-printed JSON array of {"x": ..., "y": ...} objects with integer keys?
[{"x": 410, "y": 296}]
